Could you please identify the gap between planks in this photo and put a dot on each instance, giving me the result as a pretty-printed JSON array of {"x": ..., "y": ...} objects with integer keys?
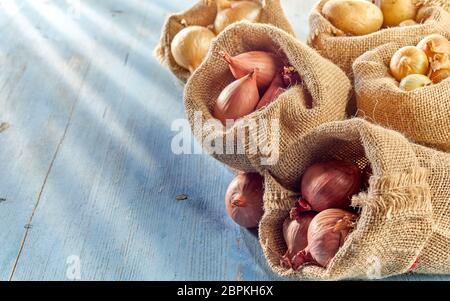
[{"x": 41, "y": 191}]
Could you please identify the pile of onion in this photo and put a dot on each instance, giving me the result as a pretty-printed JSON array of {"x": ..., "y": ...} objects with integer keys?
[
  {"x": 422, "y": 65},
  {"x": 321, "y": 220},
  {"x": 361, "y": 17},
  {"x": 260, "y": 77},
  {"x": 244, "y": 199},
  {"x": 190, "y": 45}
]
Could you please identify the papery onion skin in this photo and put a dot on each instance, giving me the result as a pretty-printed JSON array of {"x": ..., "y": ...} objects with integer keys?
[
  {"x": 408, "y": 60},
  {"x": 326, "y": 234},
  {"x": 239, "y": 10},
  {"x": 439, "y": 75},
  {"x": 242, "y": 64},
  {"x": 414, "y": 81},
  {"x": 354, "y": 17},
  {"x": 244, "y": 199},
  {"x": 397, "y": 11},
  {"x": 295, "y": 233},
  {"x": 275, "y": 89},
  {"x": 238, "y": 99},
  {"x": 437, "y": 49},
  {"x": 290, "y": 76},
  {"x": 190, "y": 46},
  {"x": 329, "y": 184}
]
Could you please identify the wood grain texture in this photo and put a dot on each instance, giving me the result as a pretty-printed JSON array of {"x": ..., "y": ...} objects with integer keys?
[{"x": 87, "y": 159}]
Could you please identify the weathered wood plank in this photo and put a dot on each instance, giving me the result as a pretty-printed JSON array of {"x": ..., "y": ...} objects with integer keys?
[
  {"x": 37, "y": 115},
  {"x": 89, "y": 161}
]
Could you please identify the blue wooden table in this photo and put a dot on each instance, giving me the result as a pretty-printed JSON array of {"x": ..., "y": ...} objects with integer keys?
[{"x": 88, "y": 181}]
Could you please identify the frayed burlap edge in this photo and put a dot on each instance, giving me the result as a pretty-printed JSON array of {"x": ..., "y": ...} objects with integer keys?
[
  {"x": 328, "y": 86},
  {"x": 395, "y": 220}
]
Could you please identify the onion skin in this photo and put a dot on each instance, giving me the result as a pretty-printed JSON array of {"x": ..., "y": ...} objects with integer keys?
[
  {"x": 329, "y": 184},
  {"x": 326, "y": 234},
  {"x": 407, "y": 23},
  {"x": 237, "y": 11},
  {"x": 237, "y": 99},
  {"x": 437, "y": 49},
  {"x": 397, "y": 11},
  {"x": 244, "y": 199},
  {"x": 354, "y": 17},
  {"x": 414, "y": 81},
  {"x": 408, "y": 60},
  {"x": 275, "y": 89},
  {"x": 291, "y": 76},
  {"x": 295, "y": 233},
  {"x": 440, "y": 75},
  {"x": 242, "y": 64},
  {"x": 190, "y": 46}
]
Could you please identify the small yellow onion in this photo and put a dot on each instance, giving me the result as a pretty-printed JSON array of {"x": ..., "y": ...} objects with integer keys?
[
  {"x": 397, "y": 11},
  {"x": 237, "y": 11},
  {"x": 437, "y": 49},
  {"x": 408, "y": 60},
  {"x": 414, "y": 81},
  {"x": 190, "y": 46},
  {"x": 439, "y": 75},
  {"x": 408, "y": 22},
  {"x": 354, "y": 17}
]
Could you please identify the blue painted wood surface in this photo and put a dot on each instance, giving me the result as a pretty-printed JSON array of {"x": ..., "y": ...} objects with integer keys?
[{"x": 86, "y": 167}]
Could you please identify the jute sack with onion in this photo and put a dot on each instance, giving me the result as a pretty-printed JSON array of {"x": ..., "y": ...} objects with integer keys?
[
  {"x": 422, "y": 114},
  {"x": 403, "y": 214},
  {"x": 343, "y": 49},
  {"x": 324, "y": 86},
  {"x": 204, "y": 13}
]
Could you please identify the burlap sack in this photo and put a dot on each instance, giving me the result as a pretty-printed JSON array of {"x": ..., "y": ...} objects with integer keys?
[
  {"x": 325, "y": 83},
  {"x": 404, "y": 215},
  {"x": 204, "y": 13},
  {"x": 341, "y": 49},
  {"x": 422, "y": 114},
  {"x": 443, "y": 3}
]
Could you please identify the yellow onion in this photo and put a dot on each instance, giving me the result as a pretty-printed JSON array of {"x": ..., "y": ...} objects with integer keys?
[
  {"x": 354, "y": 17},
  {"x": 190, "y": 46},
  {"x": 408, "y": 60},
  {"x": 397, "y": 11},
  {"x": 238, "y": 11},
  {"x": 237, "y": 99},
  {"x": 408, "y": 22},
  {"x": 439, "y": 75},
  {"x": 437, "y": 49},
  {"x": 414, "y": 81}
]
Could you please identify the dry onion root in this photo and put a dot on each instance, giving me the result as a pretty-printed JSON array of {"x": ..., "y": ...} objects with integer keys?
[{"x": 190, "y": 46}]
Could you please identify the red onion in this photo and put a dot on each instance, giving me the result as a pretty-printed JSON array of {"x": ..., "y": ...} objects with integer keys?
[
  {"x": 329, "y": 185},
  {"x": 275, "y": 89},
  {"x": 242, "y": 64},
  {"x": 326, "y": 234},
  {"x": 244, "y": 199},
  {"x": 295, "y": 233},
  {"x": 238, "y": 98}
]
